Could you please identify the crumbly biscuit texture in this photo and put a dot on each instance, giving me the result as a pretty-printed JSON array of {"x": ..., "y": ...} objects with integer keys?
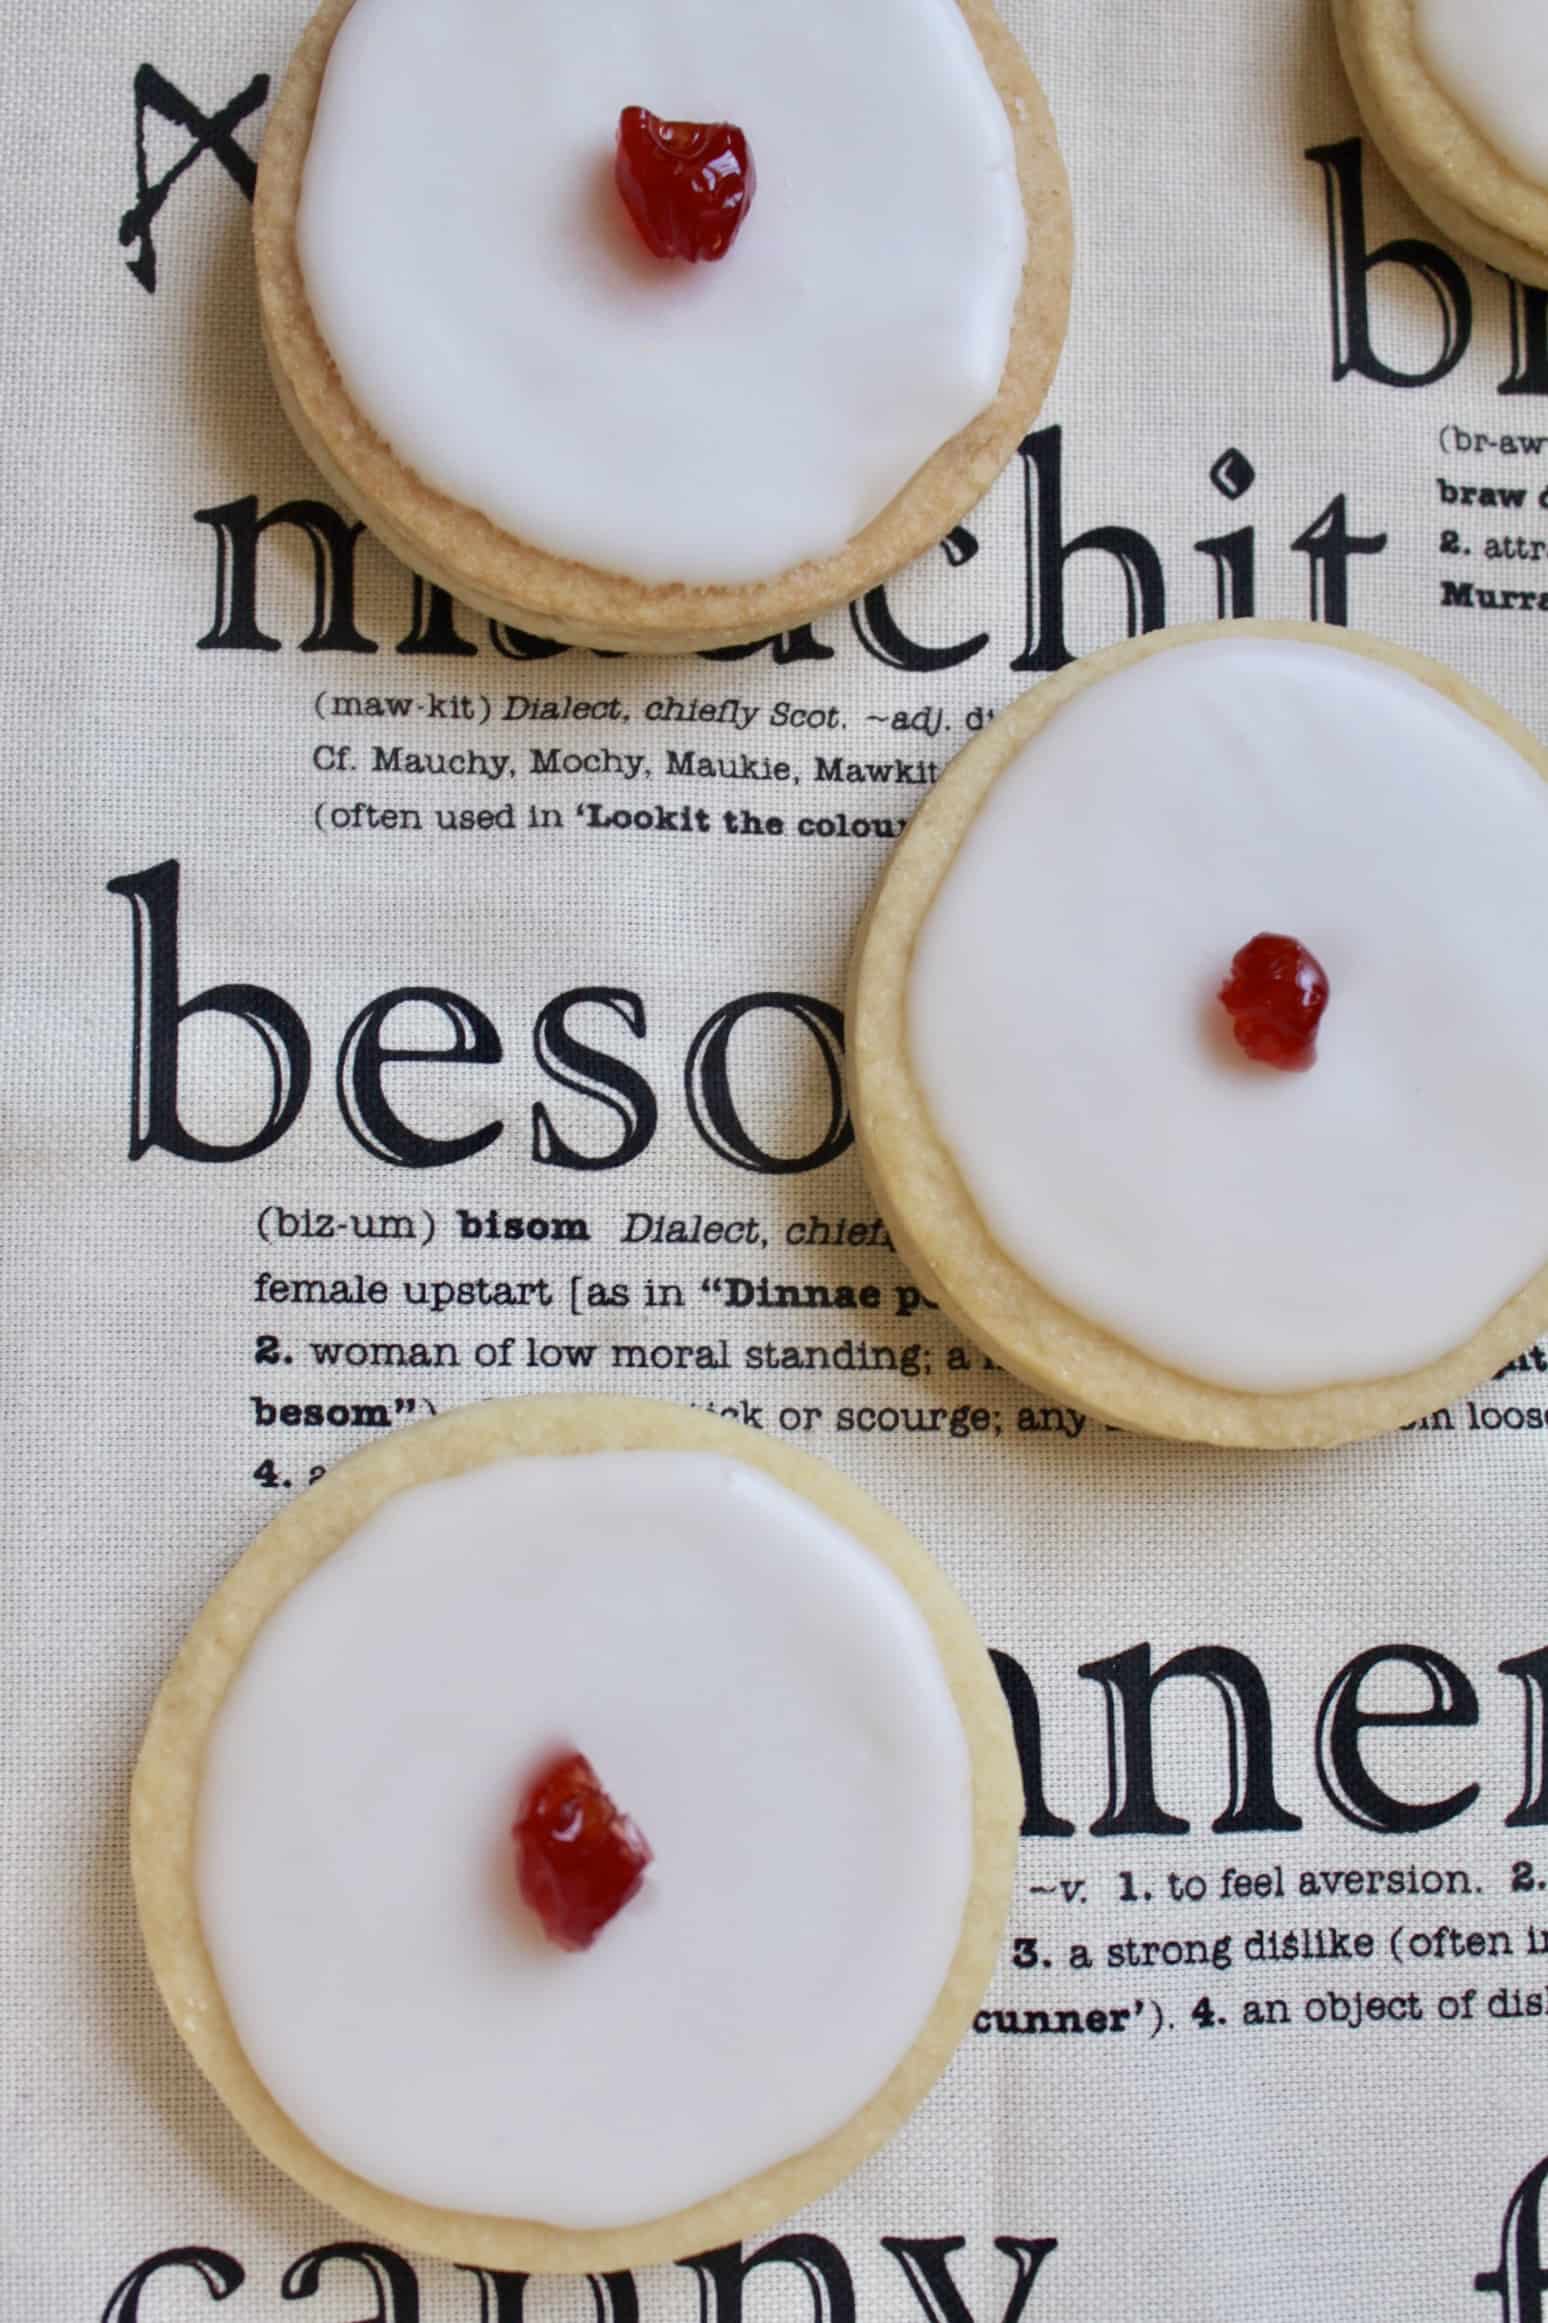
[
  {"x": 1191, "y": 1358},
  {"x": 181, "y": 1755},
  {"x": 497, "y": 571},
  {"x": 1474, "y": 192}
]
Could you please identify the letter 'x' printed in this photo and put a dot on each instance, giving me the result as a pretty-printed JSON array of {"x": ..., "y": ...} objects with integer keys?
[{"x": 210, "y": 133}]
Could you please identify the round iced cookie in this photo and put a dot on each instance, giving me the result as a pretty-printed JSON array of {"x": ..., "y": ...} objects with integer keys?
[
  {"x": 1455, "y": 94},
  {"x": 1072, "y": 1150},
  {"x": 619, "y": 450},
  {"x": 769, "y": 1677}
]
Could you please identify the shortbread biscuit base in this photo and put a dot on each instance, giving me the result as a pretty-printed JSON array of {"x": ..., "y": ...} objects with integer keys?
[
  {"x": 490, "y": 569},
  {"x": 931, "y": 1215},
  {"x": 166, "y": 1789},
  {"x": 1461, "y": 181}
]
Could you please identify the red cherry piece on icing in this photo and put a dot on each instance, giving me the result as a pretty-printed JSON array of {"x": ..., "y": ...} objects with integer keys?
[
  {"x": 1275, "y": 995},
  {"x": 686, "y": 184},
  {"x": 578, "y": 1860}
]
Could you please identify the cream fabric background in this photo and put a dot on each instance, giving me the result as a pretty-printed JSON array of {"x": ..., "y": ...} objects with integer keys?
[{"x": 1183, "y": 2173}]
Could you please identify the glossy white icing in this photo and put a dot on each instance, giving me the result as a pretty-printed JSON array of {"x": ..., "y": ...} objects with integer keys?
[
  {"x": 1491, "y": 58},
  {"x": 496, "y": 317},
  {"x": 1257, "y": 1229},
  {"x": 752, "y": 1686}
]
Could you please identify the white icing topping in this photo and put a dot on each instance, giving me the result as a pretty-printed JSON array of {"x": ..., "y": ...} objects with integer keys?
[
  {"x": 1257, "y": 1229},
  {"x": 752, "y": 1686},
  {"x": 496, "y": 317},
  {"x": 1491, "y": 58}
]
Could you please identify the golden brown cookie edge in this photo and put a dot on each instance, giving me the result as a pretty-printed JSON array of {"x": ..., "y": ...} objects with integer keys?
[
  {"x": 1446, "y": 166},
  {"x": 926, "y": 1204},
  {"x": 165, "y": 1790},
  {"x": 496, "y": 573}
]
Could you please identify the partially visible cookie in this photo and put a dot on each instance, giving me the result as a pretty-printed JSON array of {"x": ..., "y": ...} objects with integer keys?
[
  {"x": 770, "y": 1678},
  {"x": 636, "y": 452},
  {"x": 1455, "y": 93},
  {"x": 1074, "y": 1148}
]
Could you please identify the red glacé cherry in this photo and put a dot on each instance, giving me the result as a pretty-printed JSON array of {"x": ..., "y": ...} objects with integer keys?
[
  {"x": 1275, "y": 995},
  {"x": 578, "y": 1860},
  {"x": 686, "y": 184}
]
